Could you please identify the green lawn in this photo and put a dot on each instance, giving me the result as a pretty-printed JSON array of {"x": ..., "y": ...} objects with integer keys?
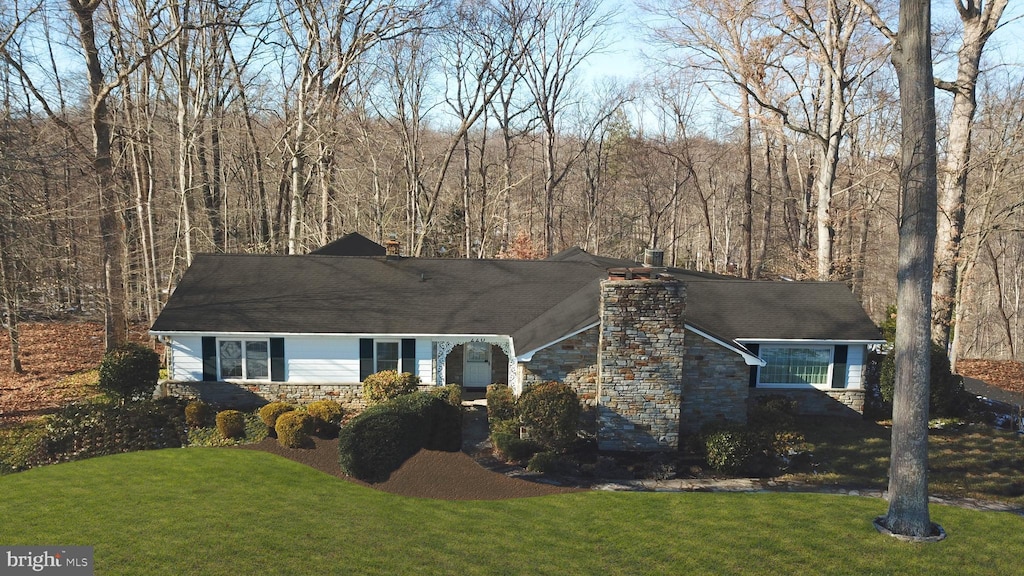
[
  {"x": 210, "y": 511},
  {"x": 975, "y": 461}
]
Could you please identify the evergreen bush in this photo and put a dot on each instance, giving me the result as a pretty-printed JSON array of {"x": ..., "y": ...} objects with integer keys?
[
  {"x": 129, "y": 372},
  {"x": 376, "y": 443},
  {"x": 327, "y": 416},
  {"x": 231, "y": 423},
  {"x": 451, "y": 393},
  {"x": 501, "y": 403},
  {"x": 387, "y": 385},
  {"x": 269, "y": 413},
  {"x": 84, "y": 430},
  {"x": 947, "y": 398},
  {"x": 197, "y": 414},
  {"x": 551, "y": 413},
  {"x": 293, "y": 429},
  {"x": 508, "y": 444}
]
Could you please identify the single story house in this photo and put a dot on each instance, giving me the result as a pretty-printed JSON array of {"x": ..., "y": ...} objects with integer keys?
[{"x": 656, "y": 351}]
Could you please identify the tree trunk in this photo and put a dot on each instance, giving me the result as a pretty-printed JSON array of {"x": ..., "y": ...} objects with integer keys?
[
  {"x": 111, "y": 224},
  {"x": 908, "y": 471},
  {"x": 747, "y": 222},
  {"x": 979, "y": 25}
]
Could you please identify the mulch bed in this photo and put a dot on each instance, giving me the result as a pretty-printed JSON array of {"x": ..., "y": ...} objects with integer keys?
[{"x": 428, "y": 474}]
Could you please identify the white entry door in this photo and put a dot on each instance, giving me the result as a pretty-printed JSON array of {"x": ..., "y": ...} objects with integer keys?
[{"x": 477, "y": 369}]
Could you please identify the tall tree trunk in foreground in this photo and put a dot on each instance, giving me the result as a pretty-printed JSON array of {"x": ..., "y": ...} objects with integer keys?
[
  {"x": 908, "y": 468},
  {"x": 112, "y": 225}
]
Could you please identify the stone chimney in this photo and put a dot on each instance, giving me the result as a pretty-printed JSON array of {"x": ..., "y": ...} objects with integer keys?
[
  {"x": 640, "y": 361},
  {"x": 392, "y": 249}
]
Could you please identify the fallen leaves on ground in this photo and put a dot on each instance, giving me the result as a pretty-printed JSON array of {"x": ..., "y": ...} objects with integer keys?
[
  {"x": 56, "y": 358},
  {"x": 1005, "y": 374}
]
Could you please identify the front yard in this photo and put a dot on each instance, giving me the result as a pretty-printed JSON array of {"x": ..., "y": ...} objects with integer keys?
[{"x": 211, "y": 511}]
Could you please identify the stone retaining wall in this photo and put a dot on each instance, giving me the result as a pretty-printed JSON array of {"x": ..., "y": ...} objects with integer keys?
[{"x": 253, "y": 394}]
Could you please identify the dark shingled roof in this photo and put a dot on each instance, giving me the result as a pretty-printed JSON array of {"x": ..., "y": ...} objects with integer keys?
[
  {"x": 353, "y": 244},
  {"x": 534, "y": 301},
  {"x": 327, "y": 294}
]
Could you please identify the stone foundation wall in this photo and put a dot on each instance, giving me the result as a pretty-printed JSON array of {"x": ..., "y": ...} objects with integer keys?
[
  {"x": 716, "y": 383},
  {"x": 251, "y": 395},
  {"x": 835, "y": 402},
  {"x": 640, "y": 364}
]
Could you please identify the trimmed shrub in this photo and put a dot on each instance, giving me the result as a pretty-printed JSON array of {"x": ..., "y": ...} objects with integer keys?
[
  {"x": 327, "y": 415},
  {"x": 507, "y": 443},
  {"x": 231, "y": 423},
  {"x": 551, "y": 412},
  {"x": 129, "y": 372},
  {"x": 387, "y": 385},
  {"x": 501, "y": 403},
  {"x": 543, "y": 462},
  {"x": 375, "y": 443},
  {"x": 293, "y": 429},
  {"x": 730, "y": 448},
  {"x": 772, "y": 412},
  {"x": 269, "y": 413},
  {"x": 451, "y": 393},
  {"x": 947, "y": 398},
  {"x": 197, "y": 414}
]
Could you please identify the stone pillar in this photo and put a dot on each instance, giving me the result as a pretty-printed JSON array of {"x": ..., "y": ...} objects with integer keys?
[{"x": 640, "y": 361}]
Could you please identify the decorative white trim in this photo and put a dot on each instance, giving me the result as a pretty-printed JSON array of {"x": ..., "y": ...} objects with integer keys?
[
  {"x": 750, "y": 359},
  {"x": 529, "y": 355},
  {"x": 446, "y": 345}
]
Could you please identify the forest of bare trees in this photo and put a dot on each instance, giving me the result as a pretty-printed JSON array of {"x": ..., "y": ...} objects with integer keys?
[{"x": 759, "y": 139}]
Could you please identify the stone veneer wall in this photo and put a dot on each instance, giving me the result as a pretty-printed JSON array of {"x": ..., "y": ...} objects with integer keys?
[
  {"x": 640, "y": 364},
  {"x": 573, "y": 361},
  {"x": 250, "y": 395},
  {"x": 835, "y": 402},
  {"x": 716, "y": 383}
]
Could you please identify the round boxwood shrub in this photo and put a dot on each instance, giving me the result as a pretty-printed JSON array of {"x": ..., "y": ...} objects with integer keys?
[
  {"x": 293, "y": 429},
  {"x": 551, "y": 412},
  {"x": 197, "y": 414},
  {"x": 501, "y": 403},
  {"x": 327, "y": 415},
  {"x": 387, "y": 385},
  {"x": 231, "y": 423},
  {"x": 269, "y": 413},
  {"x": 129, "y": 371}
]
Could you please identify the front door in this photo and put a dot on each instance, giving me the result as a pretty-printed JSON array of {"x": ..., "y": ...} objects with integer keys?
[{"x": 477, "y": 369}]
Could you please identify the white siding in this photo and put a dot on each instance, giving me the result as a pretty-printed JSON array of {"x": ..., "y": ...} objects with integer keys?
[
  {"x": 855, "y": 357},
  {"x": 425, "y": 360},
  {"x": 320, "y": 359},
  {"x": 187, "y": 358}
]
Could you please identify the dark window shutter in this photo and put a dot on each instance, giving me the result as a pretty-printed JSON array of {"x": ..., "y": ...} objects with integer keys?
[
  {"x": 409, "y": 355},
  {"x": 753, "y": 369},
  {"x": 209, "y": 359},
  {"x": 839, "y": 366},
  {"x": 365, "y": 358},
  {"x": 277, "y": 359}
]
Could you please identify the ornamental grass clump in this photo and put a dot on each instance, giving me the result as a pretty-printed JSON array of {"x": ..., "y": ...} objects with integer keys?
[
  {"x": 293, "y": 429},
  {"x": 387, "y": 385},
  {"x": 231, "y": 424}
]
